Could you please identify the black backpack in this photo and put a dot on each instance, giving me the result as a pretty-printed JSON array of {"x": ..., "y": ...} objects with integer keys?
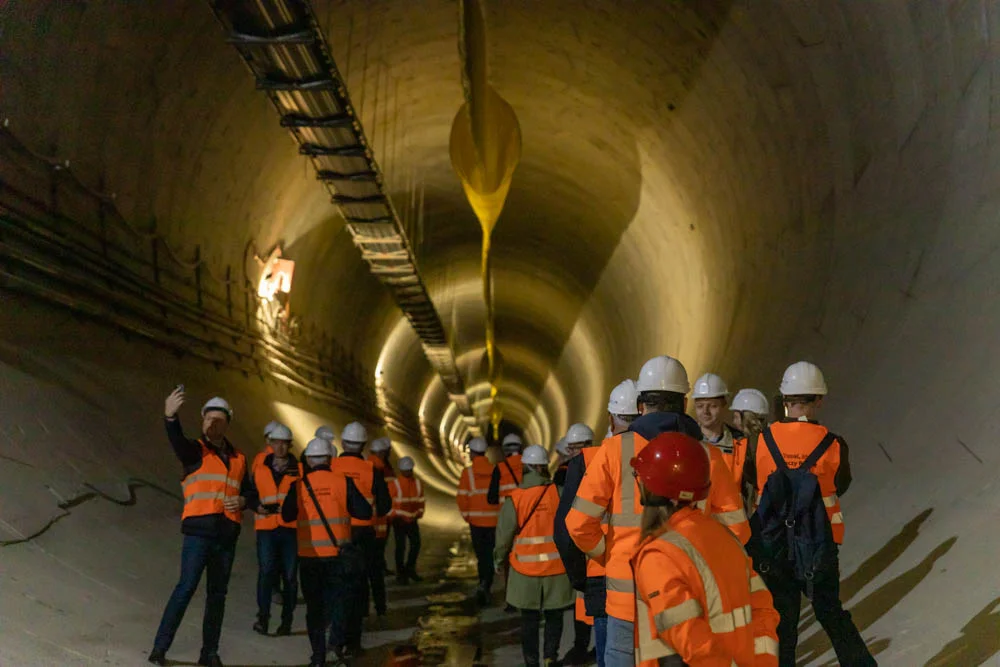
[{"x": 792, "y": 526}]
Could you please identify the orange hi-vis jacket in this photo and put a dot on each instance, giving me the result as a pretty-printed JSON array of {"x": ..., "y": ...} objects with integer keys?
[
  {"x": 739, "y": 459},
  {"x": 609, "y": 492},
  {"x": 206, "y": 487},
  {"x": 381, "y": 522},
  {"x": 510, "y": 482},
  {"x": 534, "y": 553},
  {"x": 796, "y": 440},
  {"x": 407, "y": 499},
  {"x": 725, "y": 502},
  {"x": 594, "y": 568},
  {"x": 698, "y": 597},
  {"x": 331, "y": 492},
  {"x": 259, "y": 459},
  {"x": 471, "y": 498},
  {"x": 271, "y": 493},
  {"x": 363, "y": 474}
]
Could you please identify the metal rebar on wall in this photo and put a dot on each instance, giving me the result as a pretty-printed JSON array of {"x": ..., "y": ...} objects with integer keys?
[{"x": 286, "y": 51}]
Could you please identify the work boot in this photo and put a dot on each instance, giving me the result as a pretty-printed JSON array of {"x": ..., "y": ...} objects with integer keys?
[
  {"x": 284, "y": 629},
  {"x": 210, "y": 661},
  {"x": 415, "y": 577},
  {"x": 576, "y": 657},
  {"x": 260, "y": 627},
  {"x": 158, "y": 657}
]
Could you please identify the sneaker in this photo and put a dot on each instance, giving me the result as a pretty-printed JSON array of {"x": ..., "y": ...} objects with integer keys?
[
  {"x": 158, "y": 657},
  {"x": 284, "y": 629}
]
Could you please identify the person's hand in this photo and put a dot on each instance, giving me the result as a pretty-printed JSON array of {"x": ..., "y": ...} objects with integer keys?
[
  {"x": 233, "y": 503},
  {"x": 173, "y": 403}
]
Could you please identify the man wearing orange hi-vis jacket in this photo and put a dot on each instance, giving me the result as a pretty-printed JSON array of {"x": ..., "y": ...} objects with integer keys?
[
  {"x": 698, "y": 600},
  {"x": 479, "y": 514},
  {"x": 407, "y": 509},
  {"x": 608, "y": 490}
]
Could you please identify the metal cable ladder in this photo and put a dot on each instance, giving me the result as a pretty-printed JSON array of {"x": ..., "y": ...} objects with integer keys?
[{"x": 285, "y": 49}]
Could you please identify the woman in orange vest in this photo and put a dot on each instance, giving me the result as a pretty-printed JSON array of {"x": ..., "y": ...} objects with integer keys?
[
  {"x": 479, "y": 514},
  {"x": 698, "y": 600},
  {"x": 750, "y": 415},
  {"x": 407, "y": 510},
  {"x": 322, "y": 503},
  {"x": 273, "y": 476},
  {"x": 537, "y": 584},
  {"x": 216, "y": 489}
]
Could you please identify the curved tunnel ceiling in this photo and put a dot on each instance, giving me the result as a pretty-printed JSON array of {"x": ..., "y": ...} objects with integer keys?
[{"x": 734, "y": 183}]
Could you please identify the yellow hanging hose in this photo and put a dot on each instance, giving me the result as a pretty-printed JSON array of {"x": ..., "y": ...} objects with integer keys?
[{"x": 485, "y": 149}]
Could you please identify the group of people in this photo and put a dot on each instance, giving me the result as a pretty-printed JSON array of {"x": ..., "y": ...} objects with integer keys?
[
  {"x": 324, "y": 519},
  {"x": 680, "y": 540}
]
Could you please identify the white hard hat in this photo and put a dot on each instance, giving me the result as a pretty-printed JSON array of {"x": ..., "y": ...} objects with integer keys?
[
  {"x": 326, "y": 433},
  {"x": 270, "y": 425},
  {"x": 280, "y": 432},
  {"x": 217, "y": 404},
  {"x": 477, "y": 445},
  {"x": 535, "y": 455},
  {"x": 354, "y": 437},
  {"x": 710, "y": 385},
  {"x": 406, "y": 464},
  {"x": 803, "y": 379},
  {"x": 319, "y": 447},
  {"x": 578, "y": 433},
  {"x": 382, "y": 444},
  {"x": 512, "y": 441},
  {"x": 561, "y": 446},
  {"x": 623, "y": 399},
  {"x": 663, "y": 374},
  {"x": 750, "y": 400}
]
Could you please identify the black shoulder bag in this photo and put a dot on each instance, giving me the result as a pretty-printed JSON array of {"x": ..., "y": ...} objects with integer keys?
[{"x": 351, "y": 558}]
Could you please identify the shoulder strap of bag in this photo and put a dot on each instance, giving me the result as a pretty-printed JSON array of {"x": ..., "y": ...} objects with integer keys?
[
  {"x": 511, "y": 471},
  {"x": 534, "y": 507},
  {"x": 820, "y": 450},
  {"x": 312, "y": 494},
  {"x": 772, "y": 447}
]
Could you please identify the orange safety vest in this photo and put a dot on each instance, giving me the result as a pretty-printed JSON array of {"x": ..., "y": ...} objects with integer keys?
[
  {"x": 207, "y": 486},
  {"x": 407, "y": 498},
  {"x": 271, "y": 493},
  {"x": 739, "y": 459},
  {"x": 510, "y": 482},
  {"x": 259, "y": 459},
  {"x": 698, "y": 596},
  {"x": 726, "y": 446},
  {"x": 331, "y": 492},
  {"x": 534, "y": 553},
  {"x": 472, "y": 490},
  {"x": 796, "y": 440},
  {"x": 381, "y": 522},
  {"x": 594, "y": 568},
  {"x": 363, "y": 474},
  {"x": 725, "y": 502}
]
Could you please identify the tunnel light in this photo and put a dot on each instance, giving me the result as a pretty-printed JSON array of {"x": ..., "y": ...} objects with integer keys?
[{"x": 275, "y": 276}]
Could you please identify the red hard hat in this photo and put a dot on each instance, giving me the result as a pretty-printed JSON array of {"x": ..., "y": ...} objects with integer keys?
[{"x": 675, "y": 466}]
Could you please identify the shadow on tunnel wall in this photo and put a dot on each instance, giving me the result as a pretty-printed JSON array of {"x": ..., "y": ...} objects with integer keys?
[{"x": 877, "y": 604}]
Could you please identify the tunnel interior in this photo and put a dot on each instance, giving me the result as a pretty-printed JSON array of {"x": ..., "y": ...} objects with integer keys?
[{"x": 736, "y": 184}]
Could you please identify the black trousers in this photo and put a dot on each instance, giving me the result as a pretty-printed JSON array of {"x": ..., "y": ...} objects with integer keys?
[
  {"x": 530, "y": 621},
  {"x": 322, "y": 585},
  {"x": 825, "y": 597},
  {"x": 364, "y": 537},
  {"x": 406, "y": 563},
  {"x": 380, "y": 544},
  {"x": 483, "y": 542},
  {"x": 581, "y": 635}
]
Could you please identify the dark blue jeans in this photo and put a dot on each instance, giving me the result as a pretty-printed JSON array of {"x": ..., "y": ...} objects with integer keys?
[
  {"x": 277, "y": 556},
  {"x": 199, "y": 554}
]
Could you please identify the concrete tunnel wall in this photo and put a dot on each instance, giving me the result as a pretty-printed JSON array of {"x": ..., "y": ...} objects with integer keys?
[{"x": 737, "y": 184}]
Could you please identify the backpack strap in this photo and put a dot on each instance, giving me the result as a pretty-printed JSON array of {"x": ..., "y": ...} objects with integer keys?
[
  {"x": 820, "y": 450},
  {"x": 511, "y": 471},
  {"x": 326, "y": 524},
  {"x": 772, "y": 447},
  {"x": 534, "y": 507}
]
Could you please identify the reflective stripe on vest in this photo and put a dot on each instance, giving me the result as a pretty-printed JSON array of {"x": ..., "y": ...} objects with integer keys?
[
  {"x": 720, "y": 621},
  {"x": 407, "y": 507},
  {"x": 478, "y": 512},
  {"x": 207, "y": 487},
  {"x": 275, "y": 495},
  {"x": 534, "y": 552}
]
